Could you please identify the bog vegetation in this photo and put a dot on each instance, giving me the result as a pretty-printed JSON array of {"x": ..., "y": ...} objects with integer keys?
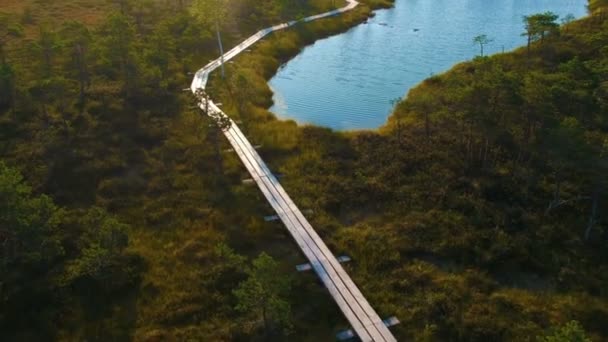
[{"x": 476, "y": 214}]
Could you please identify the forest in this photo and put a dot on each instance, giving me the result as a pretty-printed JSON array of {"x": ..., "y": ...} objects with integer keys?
[{"x": 475, "y": 214}]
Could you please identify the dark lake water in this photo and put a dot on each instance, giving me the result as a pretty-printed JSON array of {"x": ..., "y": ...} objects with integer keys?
[{"x": 347, "y": 81}]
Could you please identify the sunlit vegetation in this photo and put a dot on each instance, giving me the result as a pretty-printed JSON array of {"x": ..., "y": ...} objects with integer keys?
[
  {"x": 475, "y": 214},
  {"x": 93, "y": 114}
]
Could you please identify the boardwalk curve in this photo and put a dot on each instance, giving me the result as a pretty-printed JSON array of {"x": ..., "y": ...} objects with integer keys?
[{"x": 363, "y": 318}]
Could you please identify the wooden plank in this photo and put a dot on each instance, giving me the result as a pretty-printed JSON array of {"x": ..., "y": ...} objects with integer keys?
[
  {"x": 353, "y": 302},
  {"x": 252, "y": 171},
  {"x": 343, "y": 259},
  {"x": 247, "y": 146},
  {"x": 329, "y": 271},
  {"x": 275, "y": 201},
  {"x": 361, "y": 331},
  {"x": 389, "y": 322},
  {"x": 319, "y": 266},
  {"x": 353, "y": 289},
  {"x": 303, "y": 267},
  {"x": 301, "y": 243},
  {"x": 250, "y": 154},
  {"x": 308, "y": 267},
  {"x": 345, "y": 335},
  {"x": 271, "y": 218},
  {"x": 349, "y": 333},
  {"x": 343, "y": 291}
]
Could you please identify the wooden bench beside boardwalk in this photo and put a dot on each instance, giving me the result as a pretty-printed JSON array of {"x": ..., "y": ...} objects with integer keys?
[{"x": 364, "y": 320}]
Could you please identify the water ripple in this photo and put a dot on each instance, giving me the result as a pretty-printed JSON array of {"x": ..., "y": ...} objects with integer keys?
[{"x": 347, "y": 81}]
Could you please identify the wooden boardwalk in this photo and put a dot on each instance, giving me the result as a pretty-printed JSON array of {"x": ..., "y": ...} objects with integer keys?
[{"x": 364, "y": 320}]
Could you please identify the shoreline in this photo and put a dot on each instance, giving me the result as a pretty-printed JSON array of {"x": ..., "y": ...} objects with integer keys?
[
  {"x": 364, "y": 321},
  {"x": 277, "y": 49},
  {"x": 303, "y": 116}
]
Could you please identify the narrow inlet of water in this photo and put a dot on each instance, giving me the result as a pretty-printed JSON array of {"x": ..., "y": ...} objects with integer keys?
[{"x": 348, "y": 81}]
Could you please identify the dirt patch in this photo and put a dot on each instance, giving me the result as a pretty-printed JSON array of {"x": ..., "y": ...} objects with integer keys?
[{"x": 13, "y": 6}]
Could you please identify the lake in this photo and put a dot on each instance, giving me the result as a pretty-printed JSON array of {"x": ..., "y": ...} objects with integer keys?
[{"x": 348, "y": 81}]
